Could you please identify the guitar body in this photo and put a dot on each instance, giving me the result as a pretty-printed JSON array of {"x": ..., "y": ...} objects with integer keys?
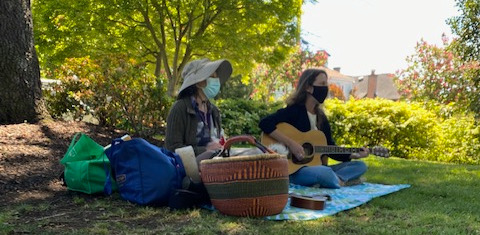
[
  {"x": 314, "y": 144},
  {"x": 307, "y": 139}
]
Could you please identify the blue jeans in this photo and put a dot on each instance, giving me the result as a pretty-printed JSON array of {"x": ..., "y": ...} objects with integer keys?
[{"x": 328, "y": 176}]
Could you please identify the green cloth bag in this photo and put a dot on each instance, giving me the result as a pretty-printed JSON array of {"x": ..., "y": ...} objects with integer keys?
[{"x": 85, "y": 166}]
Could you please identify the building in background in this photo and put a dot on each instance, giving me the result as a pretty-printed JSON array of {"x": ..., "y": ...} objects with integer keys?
[
  {"x": 376, "y": 85},
  {"x": 344, "y": 82}
]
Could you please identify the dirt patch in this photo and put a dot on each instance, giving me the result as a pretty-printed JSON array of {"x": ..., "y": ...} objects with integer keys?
[{"x": 30, "y": 166}]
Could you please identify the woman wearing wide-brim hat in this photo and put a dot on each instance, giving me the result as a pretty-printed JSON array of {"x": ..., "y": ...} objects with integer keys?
[{"x": 193, "y": 120}]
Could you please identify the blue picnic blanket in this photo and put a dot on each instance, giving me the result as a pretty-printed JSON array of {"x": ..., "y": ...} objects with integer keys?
[{"x": 343, "y": 198}]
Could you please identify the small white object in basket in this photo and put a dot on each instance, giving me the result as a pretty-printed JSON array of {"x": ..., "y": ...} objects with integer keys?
[{"x": 279, "y": 148}]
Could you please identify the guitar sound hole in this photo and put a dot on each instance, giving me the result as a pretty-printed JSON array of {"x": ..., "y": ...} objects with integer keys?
[{"x": 308, "y": 149}]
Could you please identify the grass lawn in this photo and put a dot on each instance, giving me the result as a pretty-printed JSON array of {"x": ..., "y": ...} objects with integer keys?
[{"x": 443, "y": 199}]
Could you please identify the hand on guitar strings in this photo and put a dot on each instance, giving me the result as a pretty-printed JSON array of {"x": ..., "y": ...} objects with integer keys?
[
  {"x": 297, "y": 150},
  {"x": 361, "y": 154}
]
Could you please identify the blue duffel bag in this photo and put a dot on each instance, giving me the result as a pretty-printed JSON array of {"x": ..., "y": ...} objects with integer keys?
[{"x": 145, "y": 174}]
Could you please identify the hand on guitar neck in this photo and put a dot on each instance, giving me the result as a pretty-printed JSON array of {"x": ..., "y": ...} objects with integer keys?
[{"x": 362, "y": 153}]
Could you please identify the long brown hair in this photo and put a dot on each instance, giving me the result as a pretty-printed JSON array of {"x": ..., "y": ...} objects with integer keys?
[
  {"x": 300, "y": 95},
  {"x": 306, "y": 79}
]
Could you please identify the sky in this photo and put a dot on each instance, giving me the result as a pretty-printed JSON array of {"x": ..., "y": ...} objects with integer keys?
[{"x": 366, "y": 35}]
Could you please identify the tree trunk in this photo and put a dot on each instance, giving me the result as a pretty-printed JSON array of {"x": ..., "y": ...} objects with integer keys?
[
  {"x": 158, "y": 65},
  {"x": 20, "y": 87},
  {"x": 171, "y": 86}
]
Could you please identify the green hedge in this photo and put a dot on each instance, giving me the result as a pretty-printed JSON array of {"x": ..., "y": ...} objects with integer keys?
[
  {"x": 241, "y": 116},
  {"x": 407, "y": 129}
]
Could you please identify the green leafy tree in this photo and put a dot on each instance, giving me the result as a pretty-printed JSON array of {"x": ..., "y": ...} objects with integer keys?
[
  {"x": 467, "y": 27},
  {"x": 235, "y": 89},
  {"x": 168, "y": 34},
  {"x": 270, "y": 80},
  {"x": 439, "y": 74}
]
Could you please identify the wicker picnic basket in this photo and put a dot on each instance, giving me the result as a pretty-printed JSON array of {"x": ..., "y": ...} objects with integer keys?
[{"x": 247, "y": 185}]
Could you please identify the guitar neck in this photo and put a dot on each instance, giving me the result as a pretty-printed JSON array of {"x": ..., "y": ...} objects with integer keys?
[{"x": 335, "y": 150}]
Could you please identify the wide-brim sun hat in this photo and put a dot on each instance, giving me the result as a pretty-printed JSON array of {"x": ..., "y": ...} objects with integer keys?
[{"x": 199, "y": 70}]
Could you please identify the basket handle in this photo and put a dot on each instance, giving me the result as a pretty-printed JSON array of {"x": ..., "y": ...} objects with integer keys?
[
  {"x": 238, "y": 138},
  {"x": 243, "y": 138}
]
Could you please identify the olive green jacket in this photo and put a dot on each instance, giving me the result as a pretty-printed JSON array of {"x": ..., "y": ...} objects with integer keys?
[{"x": 182, "y": 124}]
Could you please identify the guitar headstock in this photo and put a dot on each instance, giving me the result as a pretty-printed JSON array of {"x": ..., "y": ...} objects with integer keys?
[{"x": 380, "y": 151}]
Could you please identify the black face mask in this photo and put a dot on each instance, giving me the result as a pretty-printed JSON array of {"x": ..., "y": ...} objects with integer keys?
[{"x": 320, "y": 93}]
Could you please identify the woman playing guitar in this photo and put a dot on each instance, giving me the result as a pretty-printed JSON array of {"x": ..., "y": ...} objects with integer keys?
[{"x": 303, "y": 112}]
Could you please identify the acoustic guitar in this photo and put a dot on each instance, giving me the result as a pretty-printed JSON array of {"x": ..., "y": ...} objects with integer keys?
[
  {"x": 315, "y": 145},
  {"x": 314, "y": 202}
]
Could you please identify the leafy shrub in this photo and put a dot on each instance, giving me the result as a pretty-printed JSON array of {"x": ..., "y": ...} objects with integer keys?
[
  {"x": 241, "y": 116},
  {"x": 408, "y": 130},
  {"x": 460, "y": 137},
  {"x": 116, "y": 90}
]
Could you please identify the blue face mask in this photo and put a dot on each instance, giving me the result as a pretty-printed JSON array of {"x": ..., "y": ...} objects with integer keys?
[{"x": 212, "y": 88}]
